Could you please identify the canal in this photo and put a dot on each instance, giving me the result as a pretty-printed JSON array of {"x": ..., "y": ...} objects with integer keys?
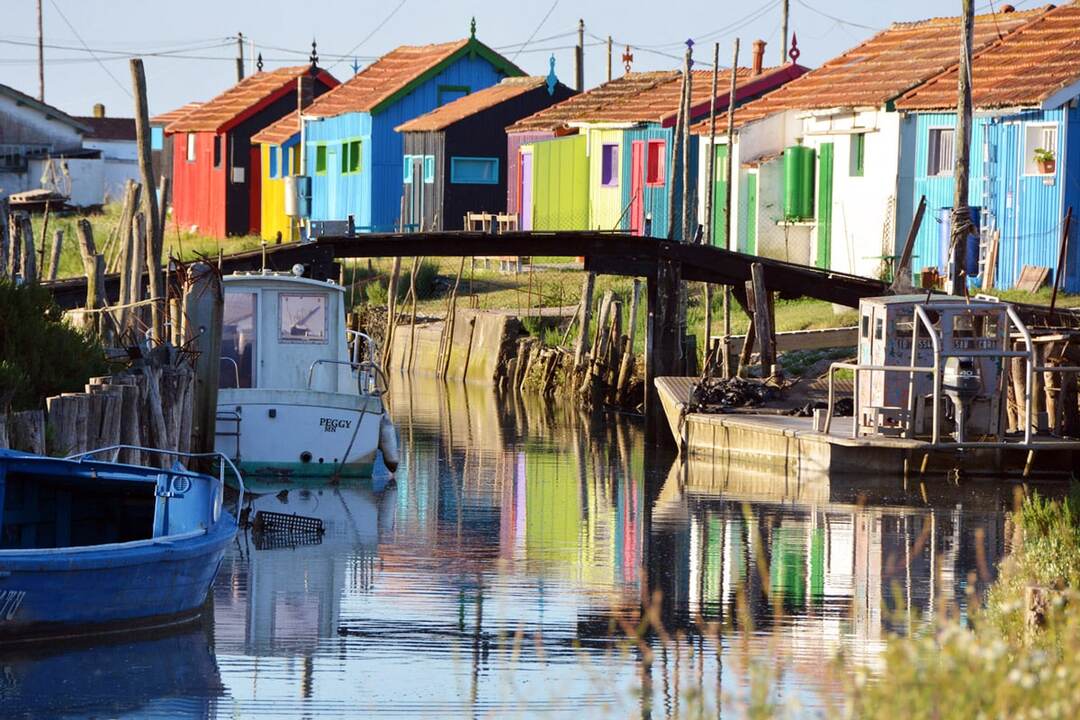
[{"x": 507, "y": 568}]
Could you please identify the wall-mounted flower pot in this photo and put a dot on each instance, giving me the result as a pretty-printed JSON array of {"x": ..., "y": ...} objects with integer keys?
[{"x": 1048, "y": 167}]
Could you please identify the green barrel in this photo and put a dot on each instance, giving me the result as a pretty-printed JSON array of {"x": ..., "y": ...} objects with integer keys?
[{"x": 798, "y": 183}]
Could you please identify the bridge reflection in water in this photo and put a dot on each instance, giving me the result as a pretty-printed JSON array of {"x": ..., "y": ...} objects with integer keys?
[{"x": 499, "y": 574}]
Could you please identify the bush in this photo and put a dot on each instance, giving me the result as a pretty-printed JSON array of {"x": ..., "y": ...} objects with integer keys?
[
  {"x": 40, "y": 355},
  {"x": 426, "y": 272}
]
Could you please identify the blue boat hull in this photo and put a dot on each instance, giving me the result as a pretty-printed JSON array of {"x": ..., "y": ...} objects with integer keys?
[{"x": 49, "y": 593}]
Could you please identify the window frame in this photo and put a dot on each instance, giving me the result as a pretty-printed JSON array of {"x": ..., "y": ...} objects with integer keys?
[
  {"x": 272, "y": 161},
  {"x": 658, "y": 178},
  {"x": 613, "y": 180},
  {"x": 355, "y": 151},
  {"x": 217, "y": 151},
  {"x": 282, "y": 338},
  {"x": 407, "y": 169},
  {"x": 253, "y": 379},
  {"x": 190, "y": 148},
  {"x": 933, "y": 151},
  {"x": 454, "y": 161},
  {"x": 1029, "y": 152},
  {"x": 429, "y": 169},
  {"x": 442, "y": 90},
  {"x": 321, "y": 158},
  {"x": 857, "y": 160}
]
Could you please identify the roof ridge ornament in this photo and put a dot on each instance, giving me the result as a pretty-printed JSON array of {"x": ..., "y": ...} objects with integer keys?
[
  {"x": 472, "y": 28},
  {"x": 259, "y": 63},
  {"x": 314, "y": 58},
  {"x": 690, "y": 51},
  {"x": 628, "y": 59},
  {"x": 794, "y": 52},
  {"x": 552, "y": 78}
]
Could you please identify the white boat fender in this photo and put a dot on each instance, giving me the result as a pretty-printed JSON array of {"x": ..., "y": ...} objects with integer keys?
[{"x": 388, "y": 443}]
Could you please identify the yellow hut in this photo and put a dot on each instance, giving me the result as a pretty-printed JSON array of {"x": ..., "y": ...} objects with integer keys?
[{"x": 279, "y": 148}]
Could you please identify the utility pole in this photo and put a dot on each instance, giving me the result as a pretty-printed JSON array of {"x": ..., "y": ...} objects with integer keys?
[
  {"x": 40, "y": 55},
  {"x": 729, "y": 371},
  {"x": 609, "y": 58},
  {"x": 239, "y": 57},
  {"x": 579, "y": 57},
  {"x": 961, "y": 215},
  {"x": 783, "y": 31}
]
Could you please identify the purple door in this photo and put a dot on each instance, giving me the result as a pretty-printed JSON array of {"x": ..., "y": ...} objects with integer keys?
[{"x": 525, "y": 200}]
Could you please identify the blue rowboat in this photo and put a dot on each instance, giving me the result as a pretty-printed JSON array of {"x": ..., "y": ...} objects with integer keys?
[{"x": 88, "y": 546}]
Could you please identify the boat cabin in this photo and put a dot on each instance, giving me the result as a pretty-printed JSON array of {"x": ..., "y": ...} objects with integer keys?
[{"x": 283, "y": 331}]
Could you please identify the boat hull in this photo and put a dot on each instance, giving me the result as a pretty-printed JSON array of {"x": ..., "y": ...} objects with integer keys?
[
  {"x": 299, "y": 434},
  {"x": 68, "y": 592}
]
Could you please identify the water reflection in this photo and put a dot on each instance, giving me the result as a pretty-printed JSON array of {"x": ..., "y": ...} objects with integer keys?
[{"x": 500, "y": 572}]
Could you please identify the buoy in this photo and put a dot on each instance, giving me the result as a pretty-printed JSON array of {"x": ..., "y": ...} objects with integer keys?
[{"x": 388, "y": 443}]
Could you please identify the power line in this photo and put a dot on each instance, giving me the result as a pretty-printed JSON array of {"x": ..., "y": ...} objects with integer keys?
[
  {"x": 107, "y": 71},
  {"x": 370, "y": 34},
  {"x": 531, "y": 36},
  {"x": 839, "y": 21}
]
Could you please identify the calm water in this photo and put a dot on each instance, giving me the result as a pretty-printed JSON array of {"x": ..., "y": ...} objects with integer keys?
[{"x": 500, "y": 572}]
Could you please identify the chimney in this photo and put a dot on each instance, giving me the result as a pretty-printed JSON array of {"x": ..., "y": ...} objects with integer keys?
[
  {"x": 99, "y": 110},
  {"x": 759, "y": 57},
  {"x": 305, "y": 91}
]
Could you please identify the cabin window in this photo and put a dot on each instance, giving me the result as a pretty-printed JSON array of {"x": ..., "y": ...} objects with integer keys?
[
  {"x": 191, "y": 147},
  {"x": 272, "y": 154},
  {"x": 450, "y": 93},
  {"x": 320, "y": 159},
  {"x": 858, "y": 151},
  {"x": 1038, "y": 141},
  {"x": 609, "y": 165},
  {"x": 354, "y": 156},
  {"x": 940, "y": 157},
  {"x": 654, "y": 173},
  {"x": 429, "y": 169},
  {"x": 474, "y": 171},
  {"x": 217, "y": 151},
  {"x": 238, "y": 340},
  {"x": 157, "y": 138},
  {"x": 302, "y": 318},
  {"x": 406, "y": 173},
  {"x": 295, "y": 153}
]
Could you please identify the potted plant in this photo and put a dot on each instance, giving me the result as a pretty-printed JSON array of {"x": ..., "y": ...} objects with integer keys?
[{"x": 1045, "y": 160}]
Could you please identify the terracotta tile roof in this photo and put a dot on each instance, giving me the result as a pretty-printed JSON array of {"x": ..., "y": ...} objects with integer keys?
[
  {"x": 442, "y": 117},
  {"x": 393, "y": 73},
  {"x": 883, "y": 68},
  {"x": 109, "y": 128},
  {"x": 236, "y": 102},
  {"x": 1025, "y": 68},
  {"x": 582, "y": 106},
  {"x": 278, "y": 132},
  {"x": 173, "y": 115},
  {"x": 660, "y": 103}
]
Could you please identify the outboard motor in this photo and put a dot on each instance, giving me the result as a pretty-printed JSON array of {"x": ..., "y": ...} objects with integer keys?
[{"x": 961, "y": 383}]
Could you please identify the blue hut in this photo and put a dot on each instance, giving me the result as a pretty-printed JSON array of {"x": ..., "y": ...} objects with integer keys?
[
  {"x": 352, "y": 153},
  {"x": 1025, "y": 151}
]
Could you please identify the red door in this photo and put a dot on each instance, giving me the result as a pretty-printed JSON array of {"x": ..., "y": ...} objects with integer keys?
[
  {"x": 637, "y": 187},
  {"x": 255, "y": 189}
]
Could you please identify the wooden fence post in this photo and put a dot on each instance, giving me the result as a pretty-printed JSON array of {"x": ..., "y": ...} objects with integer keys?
[
  {"x": 763, "y": 320},
  {"x": 29, "y": 257},
  {"x": 582, "y": 346},
  {"x": 204, "y": 302},
  {"x": 155, "y": 238},
  {"x": 54, "y": 258}
]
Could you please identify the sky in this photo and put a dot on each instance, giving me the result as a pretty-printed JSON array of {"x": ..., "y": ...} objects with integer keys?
[{"x": 189, "y": 46}]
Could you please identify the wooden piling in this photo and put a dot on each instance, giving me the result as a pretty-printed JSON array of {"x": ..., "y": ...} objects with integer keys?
[
  {"x": 391, "y": 308},
  {"x": 204, "y": 302},
  {"x": 27, "y": 431},
  {"x": 626, "y": 367},
  {"x": 29, "y": 257},
  {"x": 585, "y": 311},
  {"x": 763, "y": 319},
  {"x": 61, "y": 425},
  {"x": 155, "y": 237},
  {"x": 54, "y": 258},
  {"x": 5, "y": 238},
  {"x": 663, "y": 344},
  {"x": 15, "y": 246}
]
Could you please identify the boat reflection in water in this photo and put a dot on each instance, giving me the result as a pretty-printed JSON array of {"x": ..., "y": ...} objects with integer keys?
[{"x": 166, "y": 674}]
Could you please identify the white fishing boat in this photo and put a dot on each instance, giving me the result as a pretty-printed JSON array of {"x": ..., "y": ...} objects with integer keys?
[{"x": 300, "y": 395}]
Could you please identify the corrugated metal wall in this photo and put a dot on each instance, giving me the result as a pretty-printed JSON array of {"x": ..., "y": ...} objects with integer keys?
[
  {"x": 335, "y": 196},
  {"x": 605, "y": 203},
  {"x": 274, "y": 219},
  {"x": 1027, "y": 210},
  {"x": 514, "y": 141},
  {"x": 560, "y": 184},
  {"x": 656, "y": 196}
]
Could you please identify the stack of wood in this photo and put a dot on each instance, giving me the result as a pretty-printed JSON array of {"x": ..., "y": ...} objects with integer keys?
[
  {"x": 149, "y": 406},
  {"x": 22, "y": 257}
]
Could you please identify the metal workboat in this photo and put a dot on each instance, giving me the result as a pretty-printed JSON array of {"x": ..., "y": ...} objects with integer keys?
[
  {"x": 90, "y": 546},
  {"x": 300, "y": 395}
]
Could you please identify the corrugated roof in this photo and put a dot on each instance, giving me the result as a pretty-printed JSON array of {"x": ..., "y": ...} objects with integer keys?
[
  {"x": 883, "y": 68},
  {"x": 109, "y": 128},
  {"x": 393, "y": 73},
  {"x": 583, "y": 106},
  {"x": 660, "y": 103},
  {"x": 173, "y": 115},
  {"x": 278, "y": 132},
  {"x": 1025, "y": 68},
  {"x": 44, "y": 108},
  {"x": 235, "y": 103},
  {"x": 467, "y": 106}
]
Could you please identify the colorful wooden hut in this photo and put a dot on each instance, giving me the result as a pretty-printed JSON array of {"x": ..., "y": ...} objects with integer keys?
[
  {"x": 1025, "y": 152},
  {"x": 455, "y": 155},
  {"x": 352, "y": 154},
  {"x": 161, "y": 145},
  {"x": 216, "y": 170}
]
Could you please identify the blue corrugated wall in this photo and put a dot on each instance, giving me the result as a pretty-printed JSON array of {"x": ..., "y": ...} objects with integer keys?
[
  {"x": 373, "y": 196},
  {"x": 656, "y": 198},
  {"x": 1027, "y": 210}
]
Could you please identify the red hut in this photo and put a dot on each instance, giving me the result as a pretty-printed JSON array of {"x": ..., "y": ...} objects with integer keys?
[{"x": 216, "y": 169}]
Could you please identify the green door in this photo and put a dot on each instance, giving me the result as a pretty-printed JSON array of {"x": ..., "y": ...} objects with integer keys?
[
  {"x": 751, "y": 214},
  {"x": 719, "y": 188},
  {"x": 824, "y": 212}
]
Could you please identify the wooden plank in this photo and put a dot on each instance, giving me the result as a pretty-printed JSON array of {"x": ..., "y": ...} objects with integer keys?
[
  {"x": 763, "y": 320},
  {"x": 789, "y": 340},
  {"x": 1032, "y": 277}
]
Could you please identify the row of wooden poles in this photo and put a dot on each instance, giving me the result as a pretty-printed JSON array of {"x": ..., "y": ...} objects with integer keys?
[
  {"x": 150, "y": 407},
  {"x": 21, "y": 257},
  {"x": 600, "y": 368}
]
